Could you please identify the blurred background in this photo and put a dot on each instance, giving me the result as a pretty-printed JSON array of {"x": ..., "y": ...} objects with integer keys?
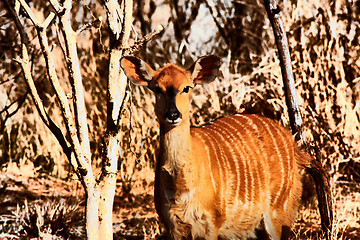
[{"x": 324, "y": 45}]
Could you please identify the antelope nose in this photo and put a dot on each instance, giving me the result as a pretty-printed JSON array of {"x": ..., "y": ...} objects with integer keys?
[{"x": 172, "y": 115}]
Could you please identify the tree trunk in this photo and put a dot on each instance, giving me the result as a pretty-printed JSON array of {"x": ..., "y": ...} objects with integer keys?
[
  {"x": 116, "y": 86},
  {"x": 75, "y": 143}
]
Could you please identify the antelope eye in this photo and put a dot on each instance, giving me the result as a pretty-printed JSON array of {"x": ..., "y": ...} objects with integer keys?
[{"x": 186, "y": 89}]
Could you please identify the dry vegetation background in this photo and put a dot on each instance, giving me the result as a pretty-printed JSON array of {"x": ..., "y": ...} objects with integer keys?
[{"x": 39, "y": 195}]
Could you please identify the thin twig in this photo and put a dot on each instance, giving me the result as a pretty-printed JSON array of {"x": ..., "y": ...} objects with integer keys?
[
  {"x": 126, "y": 99},
  {"x": 20, "y": 101},
  {"x": 6, "y": 109},
  {"x": 57, "y": 7},
  {"x": 140, "y": 43},
  {"x": 96, "y": 23},
  {"x": 217, "y": 23}
]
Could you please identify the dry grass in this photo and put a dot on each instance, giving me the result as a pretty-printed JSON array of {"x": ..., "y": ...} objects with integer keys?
[{"x": 40, "y": 207}]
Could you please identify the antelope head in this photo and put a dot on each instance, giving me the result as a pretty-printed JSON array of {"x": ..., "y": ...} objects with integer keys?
[{"x": 171, "y": 85}]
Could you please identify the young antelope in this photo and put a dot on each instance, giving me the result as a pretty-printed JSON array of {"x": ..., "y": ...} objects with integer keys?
[{"x": 235, "y": 178}]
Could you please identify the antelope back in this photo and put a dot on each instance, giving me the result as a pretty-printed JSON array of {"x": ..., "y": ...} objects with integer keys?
[{"x": 245, "y": 170}]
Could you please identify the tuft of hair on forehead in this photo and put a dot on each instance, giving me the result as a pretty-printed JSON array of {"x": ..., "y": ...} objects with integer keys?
[
  {"x": 172, "y": 75},
  {"x": 171, "y": 69}
]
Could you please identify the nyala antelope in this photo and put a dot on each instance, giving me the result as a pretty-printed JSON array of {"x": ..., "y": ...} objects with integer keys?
[{"x": 235, "y": 178}]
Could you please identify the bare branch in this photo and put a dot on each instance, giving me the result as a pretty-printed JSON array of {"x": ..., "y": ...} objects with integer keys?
[
  {"x": 31, "y": 15},
  {"x": 117, "y": 81},
  {"x": 84, "y": 164},
  {"x": 83, "y": 167},
  {"x": 126, "y": 99},
  {"x": 20, "y": 101},
  {"x": 72, "y": 61},
  {"x": 127, "y": 22},
  {"x": 57, "y": 7},
  {"x": 26, "y": 68},
  {"x": 286, "y": 69},
  {"x": 25, "y": 65},
  {"x": 48, "y": 20},
  {"x": 320, "y": 176},
  {"x": 96, "y": 23},
  {"x": 217, "y": 23},
  {"x": 114, "y": 18},
  {"x": 140, "y": 43},
  {"x": 118, "y": 40},
  {"x": 23, "y": 35}
]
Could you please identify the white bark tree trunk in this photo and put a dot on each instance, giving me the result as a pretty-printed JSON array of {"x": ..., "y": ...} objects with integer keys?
[
  {"x": 117, "y": 81},
  {"x": 75, "y": 143}
]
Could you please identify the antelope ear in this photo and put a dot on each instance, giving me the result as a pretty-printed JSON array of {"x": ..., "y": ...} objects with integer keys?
[
  {"x": 138, "y": 71},
  {"x": 205, "y": 69}
]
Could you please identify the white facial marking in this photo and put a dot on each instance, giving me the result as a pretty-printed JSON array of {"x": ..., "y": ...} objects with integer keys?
[{"x": 173, "y": 122}]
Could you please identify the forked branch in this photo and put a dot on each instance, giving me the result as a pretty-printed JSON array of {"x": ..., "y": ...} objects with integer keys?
[
  {"x": 84, "y": 168},
  {"x": 80, "y": 149},
  {"x": 64, "y": 14},
  {"x": 25, "y": 65}
]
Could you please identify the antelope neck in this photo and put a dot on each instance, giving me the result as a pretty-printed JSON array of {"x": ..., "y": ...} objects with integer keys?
[{"x": 175, "y": 147}]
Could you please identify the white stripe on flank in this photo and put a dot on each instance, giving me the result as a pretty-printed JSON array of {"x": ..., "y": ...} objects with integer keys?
[
  {"x": 282, "y": 170},
  {"x": 254, "y": 152},
  {"x": 258, "y": 152},
  {"x": 254, "y": 176},
  {"x": 241, "y": 154},
  {"x": 220, "y": 157},
  {"x": 218, "y": 163},
  {"x": 217, "y": 130},
  {"x": 286, "y": 157},
  {"x": 244, "y": 159},
  {"x": 208, "y": 157}
]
